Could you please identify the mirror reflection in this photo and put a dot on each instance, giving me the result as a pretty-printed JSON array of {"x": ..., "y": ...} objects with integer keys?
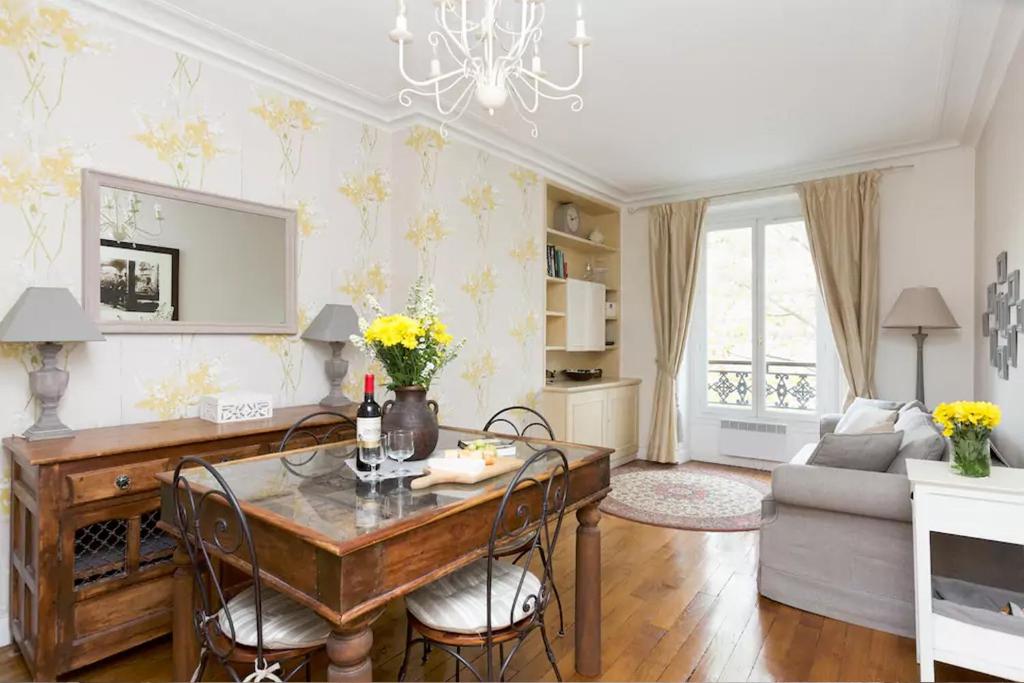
[{"x": 166, "y": 259}]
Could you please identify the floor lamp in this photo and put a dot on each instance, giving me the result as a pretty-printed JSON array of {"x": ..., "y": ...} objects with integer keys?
[{"x": 920, "y": 308}]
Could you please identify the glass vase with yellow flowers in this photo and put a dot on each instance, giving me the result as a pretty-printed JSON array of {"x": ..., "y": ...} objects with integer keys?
[
  {"x": 968, "y": 425},
  {"x": 413, "y": 347}
]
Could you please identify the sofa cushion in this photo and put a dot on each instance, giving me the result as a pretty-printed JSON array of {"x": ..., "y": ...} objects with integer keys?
[
  {"x": 922, "y": 439},
  {"x": 866, "y": 419},
  {"x": 870, "y": 452},
  {"x": 911, "y": 405},
  {"x": 876, "y": 403}
]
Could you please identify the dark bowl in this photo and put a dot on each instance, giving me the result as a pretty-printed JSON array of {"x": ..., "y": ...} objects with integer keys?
[{"x": 582, "y": 375}]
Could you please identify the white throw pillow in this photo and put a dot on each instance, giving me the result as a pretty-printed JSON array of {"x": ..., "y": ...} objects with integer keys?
[{"x": 864, "y": 419}]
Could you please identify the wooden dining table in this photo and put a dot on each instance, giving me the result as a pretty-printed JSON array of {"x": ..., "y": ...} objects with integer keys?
[{"x": 345, "y": 548}]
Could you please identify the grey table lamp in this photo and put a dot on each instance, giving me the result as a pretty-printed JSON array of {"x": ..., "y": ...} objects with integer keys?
[
  {"x": 50, "y": 317},
  {"x": 334, "y": 324},
  {"x": 921, "y": 308}
]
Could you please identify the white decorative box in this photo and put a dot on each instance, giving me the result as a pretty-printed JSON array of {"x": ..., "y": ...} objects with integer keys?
[{"x": 236, "y": 407}]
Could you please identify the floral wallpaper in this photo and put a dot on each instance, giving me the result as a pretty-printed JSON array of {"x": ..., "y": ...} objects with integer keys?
[{"x": 375, "y": 209}]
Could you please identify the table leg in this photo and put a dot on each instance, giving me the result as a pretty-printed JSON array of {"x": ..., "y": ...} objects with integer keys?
[
  {"x": 923, "y": 588},
  {"x": 588, "y": 591},
  {"x": 348, "y": 651},
  {"x": 183, "y": 643}
]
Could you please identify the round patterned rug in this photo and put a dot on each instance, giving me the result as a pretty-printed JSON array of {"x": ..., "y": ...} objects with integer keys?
[{"x": 697, "y": 496}]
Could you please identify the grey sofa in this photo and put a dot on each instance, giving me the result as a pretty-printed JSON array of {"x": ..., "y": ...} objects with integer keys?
[{"x": 838, "y": 543}]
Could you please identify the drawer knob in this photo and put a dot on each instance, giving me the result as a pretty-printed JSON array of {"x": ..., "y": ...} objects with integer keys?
[{"x": 123, "y": 482}]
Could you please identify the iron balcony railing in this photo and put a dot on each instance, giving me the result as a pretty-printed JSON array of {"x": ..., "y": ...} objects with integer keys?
[{"x": 790, "y": 385}]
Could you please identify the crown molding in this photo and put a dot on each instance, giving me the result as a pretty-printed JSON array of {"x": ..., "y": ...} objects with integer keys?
[
  {"x": 162, "y": 23},
  {"x": 169, "y": 26},
  {"x": 794, "y": 174},
  {"x": 1006, "y": 39}
]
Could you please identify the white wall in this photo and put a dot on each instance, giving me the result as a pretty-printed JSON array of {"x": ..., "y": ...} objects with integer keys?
[
  {"x": 927, "y": 236},
  {"x": 1000, "y": 227},
  {"x": 637, "y": 316}
]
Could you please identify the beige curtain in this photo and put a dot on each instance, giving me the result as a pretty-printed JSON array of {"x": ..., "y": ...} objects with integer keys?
[
  {"x": 842, "y": 226},
  {"x": 676, "y": 232}
]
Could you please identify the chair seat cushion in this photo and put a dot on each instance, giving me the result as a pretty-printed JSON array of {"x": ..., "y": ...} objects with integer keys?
[
  {"x": 457, "y": 603},
  {"x": 286, "y": 624}
]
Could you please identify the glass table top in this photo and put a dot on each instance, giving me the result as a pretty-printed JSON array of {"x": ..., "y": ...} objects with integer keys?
[{"x": 316, "y": 489}]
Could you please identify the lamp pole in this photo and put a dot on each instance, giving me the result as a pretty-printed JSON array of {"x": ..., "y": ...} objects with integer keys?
[{"x": 920, "y": 336}]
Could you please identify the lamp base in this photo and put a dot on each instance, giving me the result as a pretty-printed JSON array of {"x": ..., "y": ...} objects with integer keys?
[
  {"x": 48, "y": 384},
  {"x": 38, "y": 432},
  {"x": 335, "y": 401}
]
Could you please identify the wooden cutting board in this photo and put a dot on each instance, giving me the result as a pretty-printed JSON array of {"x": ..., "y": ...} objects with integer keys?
[{"x": 503, "y": 465}]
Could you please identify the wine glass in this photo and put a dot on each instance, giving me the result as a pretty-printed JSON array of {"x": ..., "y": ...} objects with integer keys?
[
  {"x": 400, "y": 447},
  {"x": 372, "y": 456}
]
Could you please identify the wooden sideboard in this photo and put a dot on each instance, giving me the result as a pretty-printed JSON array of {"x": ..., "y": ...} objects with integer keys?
[{"x": 90, "y": 570}]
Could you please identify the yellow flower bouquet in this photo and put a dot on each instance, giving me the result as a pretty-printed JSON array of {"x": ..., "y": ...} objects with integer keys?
[
  {"x": 969, "y": 424},
  {"x": 412, "y": 346}
]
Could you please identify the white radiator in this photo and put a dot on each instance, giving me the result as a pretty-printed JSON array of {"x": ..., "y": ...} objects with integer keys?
[{"x": 761, "y": 440}]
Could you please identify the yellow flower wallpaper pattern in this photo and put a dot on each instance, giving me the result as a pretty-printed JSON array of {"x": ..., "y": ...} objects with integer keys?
[
  {"x": 44, "y": 188},
  {"x": 481, "y": 199},
  {"x": 186, "y": 145},
  {"x": 425, "y": 233},
  {"x": 45, "y": 39},
  {"x": 428, "y": 143},
  {"x": 291, "y": 120},
  {"x": 480, "y": 286},
  {"x": 478, "y": 373},
  {"x": 174, "y": 394}
]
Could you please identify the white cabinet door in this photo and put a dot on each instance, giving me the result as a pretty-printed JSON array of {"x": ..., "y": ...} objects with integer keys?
[
  {"x": 586, "y": 418},
  {"x": 584, "y": 316},
  {"x": 622, "y": 432}
]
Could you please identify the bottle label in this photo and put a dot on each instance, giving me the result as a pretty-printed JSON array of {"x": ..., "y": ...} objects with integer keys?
[{"x": 368, "y": 431}]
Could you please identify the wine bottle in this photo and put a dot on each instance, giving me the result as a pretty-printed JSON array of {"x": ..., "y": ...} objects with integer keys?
[{"x": 368, "y": 424}]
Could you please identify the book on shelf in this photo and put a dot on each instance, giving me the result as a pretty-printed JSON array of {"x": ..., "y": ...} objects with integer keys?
[{"x": 557, "y": 265}]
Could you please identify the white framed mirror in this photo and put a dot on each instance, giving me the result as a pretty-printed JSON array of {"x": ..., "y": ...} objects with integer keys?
[{"x": 162, "y": 259}]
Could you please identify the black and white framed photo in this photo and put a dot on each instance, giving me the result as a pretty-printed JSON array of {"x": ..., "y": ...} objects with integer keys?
[
  {"x": 1011, "y": 348},
  {"x": 990, "y": 298},
  {"x": 1013, "y": 286},
  {"x": 986, "y": 324},
  {"x": 138, "y": 281},
  {"x": 1001, "y": 268}
]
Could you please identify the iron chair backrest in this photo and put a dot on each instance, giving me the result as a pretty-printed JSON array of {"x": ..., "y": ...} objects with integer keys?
[
  {"x": 504, "y": 417},
  {"x": 213, "y": 521},
  {"x": 533, "y": 525},
  {"x": 299, "y": 428}
]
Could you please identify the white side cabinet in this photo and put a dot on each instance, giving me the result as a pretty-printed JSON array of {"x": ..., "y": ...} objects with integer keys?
[
  {"x": 584, "y": 316},
  {"x": 602, "y": 413},
  {"x": 991, "y": 508}
]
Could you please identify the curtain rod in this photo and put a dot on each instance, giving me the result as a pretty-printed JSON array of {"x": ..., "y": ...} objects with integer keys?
[{"x": 633, "y": 209}]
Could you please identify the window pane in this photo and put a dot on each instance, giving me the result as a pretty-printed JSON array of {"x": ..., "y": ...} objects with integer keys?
[
  {"x": 729, "y": 312},
  {"x": 790, "y": 311}
]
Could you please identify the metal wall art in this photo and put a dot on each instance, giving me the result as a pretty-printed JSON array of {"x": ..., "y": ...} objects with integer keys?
[{"x": 1003, "y": 318}]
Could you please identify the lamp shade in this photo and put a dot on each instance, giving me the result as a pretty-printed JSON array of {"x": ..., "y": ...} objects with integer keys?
[
  {"x": 334, "y": 323},
  {"x": 920, "y": 307},
  {"x": 47, "y": 314}
]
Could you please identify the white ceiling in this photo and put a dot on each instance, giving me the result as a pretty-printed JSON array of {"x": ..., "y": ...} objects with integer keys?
[{"x": 680, "y": 94}]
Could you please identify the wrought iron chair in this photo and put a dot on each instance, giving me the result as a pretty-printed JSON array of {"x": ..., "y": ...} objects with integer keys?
[
  {"x": 491, "y": 602},
  {"x": 539, "y": 423},
  {"x": 530, "y": 420},
  {"x": 299, "y": 429},
  {"x": 245, "y": 624}
]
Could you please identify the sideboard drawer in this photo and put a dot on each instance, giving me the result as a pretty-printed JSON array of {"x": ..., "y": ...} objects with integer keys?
[
  {"x": 111, "y": 482},
  {"x": 123, "y": 480}
]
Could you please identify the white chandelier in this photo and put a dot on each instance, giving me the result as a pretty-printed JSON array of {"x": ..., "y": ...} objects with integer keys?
[{"x": 489, "y": 60}]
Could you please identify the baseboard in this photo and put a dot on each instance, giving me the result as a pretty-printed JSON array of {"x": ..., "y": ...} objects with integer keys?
[
  {"x": 620, "y": 459},
  {"x": 5, "y": 629},
  {"x": 752, "y": 463}
]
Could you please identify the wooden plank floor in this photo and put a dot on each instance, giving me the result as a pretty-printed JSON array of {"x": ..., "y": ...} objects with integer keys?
[{"x": 678, "y": 605}]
